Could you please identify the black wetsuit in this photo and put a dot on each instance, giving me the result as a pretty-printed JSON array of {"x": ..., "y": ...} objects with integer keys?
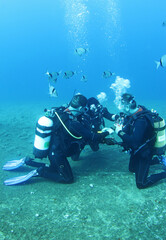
[
  {"x": 135, "y": 133},
  {"x": 96, "y": 114},
  {"x": 63, "y": 145},
  {"x": 95, "y": 120}
]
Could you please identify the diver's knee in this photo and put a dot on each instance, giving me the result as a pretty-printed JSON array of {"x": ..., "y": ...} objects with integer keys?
[
  {"x": 140, "y": 185},
  {"x": 68, "y": 180}
]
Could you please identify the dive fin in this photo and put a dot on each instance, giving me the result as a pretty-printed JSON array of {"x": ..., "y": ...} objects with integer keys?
[
  {"x": 13, "y": 164},
  {"x": 158, "y": 64},
  {"x": 21, "y": 179}
]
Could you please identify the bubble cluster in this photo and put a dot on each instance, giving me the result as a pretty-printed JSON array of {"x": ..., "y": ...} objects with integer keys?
[
  {"x": 102, "y": 97},
  {"x": 119, "y": 87}
]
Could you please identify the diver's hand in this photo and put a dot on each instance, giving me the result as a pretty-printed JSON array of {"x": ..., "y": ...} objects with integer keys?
[
  {"x": 118, "y": 127},
  {"x": 109, "y": 130}
]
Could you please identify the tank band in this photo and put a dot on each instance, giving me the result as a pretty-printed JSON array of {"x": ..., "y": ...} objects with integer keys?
[
  {"x": 42, "y": 135},
  {"x": 44, "y": 128}
]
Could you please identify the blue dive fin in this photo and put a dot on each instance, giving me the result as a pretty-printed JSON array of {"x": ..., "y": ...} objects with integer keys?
[
  {"x": 10, "y": 165},
  {"x": 21, "y": 179}
]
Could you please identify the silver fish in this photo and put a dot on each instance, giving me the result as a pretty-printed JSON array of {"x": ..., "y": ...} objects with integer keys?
[
  {"x": 81, "y": 51},
  {"x": 107, "y": 74},
  {"x": 68, "y": 74},
  {"x": 53, "y": 76},
  {"x": 52, "y": 91},
  {"x": 84, "y": 78},
  {"x": 162, "y": 62}
]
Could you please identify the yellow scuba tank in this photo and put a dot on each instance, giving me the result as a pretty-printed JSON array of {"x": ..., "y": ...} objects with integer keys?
[
  {"x": 160, "y": 142},
  {"x": 158, "y": 136},
  {"x": 43, "y": 133}
]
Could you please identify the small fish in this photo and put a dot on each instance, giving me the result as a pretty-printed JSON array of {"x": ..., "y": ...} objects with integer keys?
[
  {"x": 164, "y": 24},
  {"x": 162, "y": 62},
  {"x": 68, "y": 74},
  {"x": 81, "y": 51},
  {"x": 84, "y": 78},
  {"x": 49, "y": 74},
  {"x": 52, "y": 91},
  {"x": 53, "y": 76},
  {"x": 108, "y": 74}
]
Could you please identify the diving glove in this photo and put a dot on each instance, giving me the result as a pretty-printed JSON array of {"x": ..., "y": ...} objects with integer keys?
[
  {"x": 118, "y": 127},
  {"x": 109, "y": 130}
]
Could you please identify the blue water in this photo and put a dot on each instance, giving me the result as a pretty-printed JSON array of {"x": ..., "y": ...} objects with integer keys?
[{"x": 123, "y": 36}]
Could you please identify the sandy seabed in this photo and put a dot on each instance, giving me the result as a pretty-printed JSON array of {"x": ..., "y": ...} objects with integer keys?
[{"x": 102, "y": 204}]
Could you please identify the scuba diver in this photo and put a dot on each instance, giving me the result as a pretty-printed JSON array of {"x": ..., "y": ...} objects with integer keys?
[
  {"x": 143, "y": 134},
  {"x": 59, "y": 135},
  {"x": 93, "y": 119},
  {"x": 97, "y": 113}
]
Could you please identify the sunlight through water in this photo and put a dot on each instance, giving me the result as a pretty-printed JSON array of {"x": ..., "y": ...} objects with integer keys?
[{"x": 76, "y": 18}]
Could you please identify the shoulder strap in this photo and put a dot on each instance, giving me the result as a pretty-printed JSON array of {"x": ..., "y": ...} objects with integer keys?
[{"x": 145, "y": 113}]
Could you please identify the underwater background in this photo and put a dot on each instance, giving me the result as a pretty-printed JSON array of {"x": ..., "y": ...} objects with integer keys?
[{"x": 125, "y": 37}]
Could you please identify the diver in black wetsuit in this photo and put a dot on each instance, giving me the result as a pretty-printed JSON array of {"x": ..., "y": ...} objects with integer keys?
[
  {"x": 97, "y": 113},
  {"x": 64, "y": 145},
  {"x": 66, "y": 140},
  {"x": 93, "y": 119},
  {"x": 135, "y": 131}
]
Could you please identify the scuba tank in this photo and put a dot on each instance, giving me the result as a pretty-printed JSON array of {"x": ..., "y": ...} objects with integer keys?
[
  {"x": 44, "y": 128},
  {"x": 158, "y": 139},
  {"x": 160, "y": 142},
  {"x": 158, "y": 128},
  {"x": 43, "y": 133}
]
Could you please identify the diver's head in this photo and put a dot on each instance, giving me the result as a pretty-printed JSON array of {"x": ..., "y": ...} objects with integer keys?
[
  {"x": 128, "y": 105},
  {"x": 93, "y": 106},
  {"x": 77, "y": 104}
]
